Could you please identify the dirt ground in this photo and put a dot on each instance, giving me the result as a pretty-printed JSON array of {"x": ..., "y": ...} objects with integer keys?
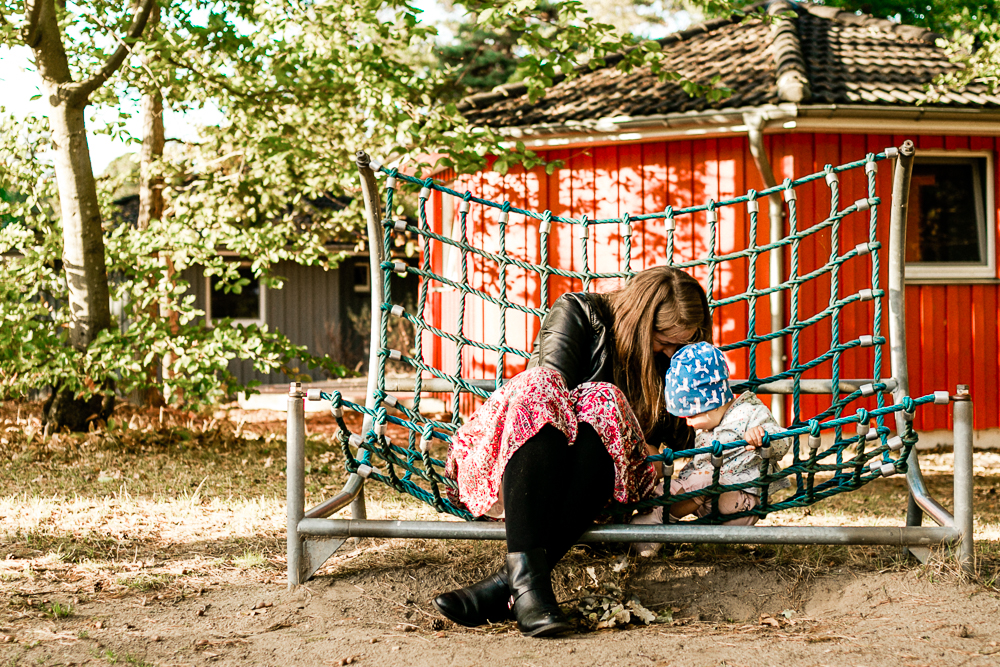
[{"x": 113, "y": 551}]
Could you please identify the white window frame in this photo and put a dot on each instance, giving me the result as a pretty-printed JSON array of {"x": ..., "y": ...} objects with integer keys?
[
  {"x": 964, "y": 272},
  {"x": 260, "y": 321}
]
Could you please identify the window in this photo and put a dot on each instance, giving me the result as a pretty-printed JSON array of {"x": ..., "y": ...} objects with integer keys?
[
  {"x": 247, "y": 307},
  {"x": 949, "y": 222},
  {"x": 362, "y": 277}
]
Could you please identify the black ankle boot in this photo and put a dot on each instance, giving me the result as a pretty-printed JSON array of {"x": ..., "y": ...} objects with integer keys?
[
  {"x": 535, "y": 606},
  {"x": 487, "y": 601}
]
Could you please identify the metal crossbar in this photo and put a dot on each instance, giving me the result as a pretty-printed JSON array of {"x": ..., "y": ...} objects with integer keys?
[{"x": 818, "y": 468}]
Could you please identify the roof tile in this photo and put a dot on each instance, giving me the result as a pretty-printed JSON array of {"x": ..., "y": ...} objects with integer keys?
[{"x": 848, "y": 58}]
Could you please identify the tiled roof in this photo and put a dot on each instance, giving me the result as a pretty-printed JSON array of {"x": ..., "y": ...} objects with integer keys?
[{"x": 823, "y": 56}]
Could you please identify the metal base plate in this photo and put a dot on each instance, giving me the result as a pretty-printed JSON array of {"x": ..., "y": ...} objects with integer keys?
[
  {"x": 315, "y": 552},
  {"x": 922, "y": 554}
]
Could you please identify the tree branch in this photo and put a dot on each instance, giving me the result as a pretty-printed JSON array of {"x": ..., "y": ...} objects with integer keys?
[
  {"x": 30, "y": 31},
  {"x": 85, "y": 88}
]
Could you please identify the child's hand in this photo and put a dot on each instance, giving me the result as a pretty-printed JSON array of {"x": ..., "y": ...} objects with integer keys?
[{"x": 754, "y": 437}]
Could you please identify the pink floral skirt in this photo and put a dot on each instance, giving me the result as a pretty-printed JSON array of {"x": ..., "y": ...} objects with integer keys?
[{"x": 514, "y": 413}]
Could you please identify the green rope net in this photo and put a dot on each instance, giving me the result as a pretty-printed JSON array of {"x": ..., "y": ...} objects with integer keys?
[{"x": 817, "y": 470}]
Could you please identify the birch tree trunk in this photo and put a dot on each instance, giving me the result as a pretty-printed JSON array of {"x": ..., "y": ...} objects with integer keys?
[{"x": 83, "y": 240}]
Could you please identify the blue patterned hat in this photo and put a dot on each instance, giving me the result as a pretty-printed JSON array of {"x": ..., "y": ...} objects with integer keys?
[{"x": 697, "y": 381}]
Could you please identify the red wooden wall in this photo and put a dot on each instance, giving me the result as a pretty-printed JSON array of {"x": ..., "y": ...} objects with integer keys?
[{"x": 952, "y": 330}]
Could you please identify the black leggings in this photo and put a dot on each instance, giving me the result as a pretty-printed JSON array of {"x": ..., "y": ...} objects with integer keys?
[{"x": 552, "y": 491}]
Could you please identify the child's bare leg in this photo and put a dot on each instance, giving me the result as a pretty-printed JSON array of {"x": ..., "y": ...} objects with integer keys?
[
  {"x": 685, "y": 507},
  {"x": 732, "y": 502}
]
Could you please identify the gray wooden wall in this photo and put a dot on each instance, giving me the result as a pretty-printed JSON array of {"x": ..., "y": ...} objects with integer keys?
[{"x": 308, "y": 309}]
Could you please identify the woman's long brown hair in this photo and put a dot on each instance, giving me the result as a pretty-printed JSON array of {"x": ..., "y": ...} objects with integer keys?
[{"x": 660, "y": 299}]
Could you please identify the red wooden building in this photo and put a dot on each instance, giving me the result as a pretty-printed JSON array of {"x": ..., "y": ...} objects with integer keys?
[{"x": 825, "y": 87}]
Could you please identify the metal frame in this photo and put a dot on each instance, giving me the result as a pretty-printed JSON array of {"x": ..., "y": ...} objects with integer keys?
[{"x": 312, "y": 538}]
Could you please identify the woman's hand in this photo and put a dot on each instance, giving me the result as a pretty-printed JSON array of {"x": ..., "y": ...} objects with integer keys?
[{"x": 754, "y": 437}]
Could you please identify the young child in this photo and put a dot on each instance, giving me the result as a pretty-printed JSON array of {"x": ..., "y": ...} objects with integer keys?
[{"x": 697, "y": 388}]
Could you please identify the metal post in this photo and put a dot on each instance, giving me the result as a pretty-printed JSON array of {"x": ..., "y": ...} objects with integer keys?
[
  {"x": 373, "y": 213},
  {"x": 775, "y": 220},
  {"x": 919, "y": 500},
  {"x": 295, "y": 464},
  {"x": 964, "y": 478}
]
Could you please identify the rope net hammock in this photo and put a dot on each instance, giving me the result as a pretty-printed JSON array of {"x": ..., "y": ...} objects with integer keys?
[{"x": 818, "y": 467}]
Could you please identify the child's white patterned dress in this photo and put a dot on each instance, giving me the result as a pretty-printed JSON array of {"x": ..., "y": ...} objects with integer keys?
[{"x": 738, "y": 465}]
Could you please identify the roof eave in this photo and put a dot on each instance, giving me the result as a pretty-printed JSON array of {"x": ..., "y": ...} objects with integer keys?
[
  {"x": 621, "y": 129},
  {"x": 874, "y": 119},
  {"x": 819, "y": 117}
]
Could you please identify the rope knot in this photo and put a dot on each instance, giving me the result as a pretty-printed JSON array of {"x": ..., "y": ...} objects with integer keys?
[
  {"x": 428, "y": 182},
  {"x": 814, "y": 428},
  {"x": 336, "y": 399},
  {"x": 909, "y": 405},
  {"x": 863, "y": 417},
  {"x": 668, "y": 456},
  {"x": 506, "y": 207},
  {"x": 717, "y": 448},
  {"x": 752, "y": 194},
  {"x": 467, "y": 196}
]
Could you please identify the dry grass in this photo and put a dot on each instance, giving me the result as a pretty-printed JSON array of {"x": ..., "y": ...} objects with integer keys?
[{"x": 164, "y": 505}]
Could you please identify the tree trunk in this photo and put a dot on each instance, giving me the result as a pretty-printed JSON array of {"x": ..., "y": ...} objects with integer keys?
[
  {"x": 151, "y": 196},
  {"x": 83, "y": 240}
]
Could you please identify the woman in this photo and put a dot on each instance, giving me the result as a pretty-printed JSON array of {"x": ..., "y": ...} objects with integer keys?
[{"x": 550, "y": 448}]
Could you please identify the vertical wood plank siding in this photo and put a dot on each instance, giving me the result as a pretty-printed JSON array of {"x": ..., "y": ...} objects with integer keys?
[
  {"x": 952, "y": 330},
  {"x": 307, "y": 309}
]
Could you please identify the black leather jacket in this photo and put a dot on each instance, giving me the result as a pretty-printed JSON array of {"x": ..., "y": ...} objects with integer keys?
[{"x": 576, "y": 340}]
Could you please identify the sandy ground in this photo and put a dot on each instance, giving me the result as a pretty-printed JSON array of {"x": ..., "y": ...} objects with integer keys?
[
  {"x": 90, "y": 577},
  {"x": 725, "y": 616}
]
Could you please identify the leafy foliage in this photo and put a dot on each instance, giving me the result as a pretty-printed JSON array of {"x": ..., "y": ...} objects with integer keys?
[
  {"x": 301, "y": 86},
  {"x": 33, "y": 308},
  {"x": 943, "y": 16}
]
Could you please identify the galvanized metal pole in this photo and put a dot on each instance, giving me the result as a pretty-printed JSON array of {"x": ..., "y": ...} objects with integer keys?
[
  {"x": 373, "y": 216},
  {"x": 920, "y": 500},
  {"x": 671, "y": 533},
  {"x": 963, "y": 476},
  {"x": 295, "y": 479},
  {"x": 775, "y": 220}
]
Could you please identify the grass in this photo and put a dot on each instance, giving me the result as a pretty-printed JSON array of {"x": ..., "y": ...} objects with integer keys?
[
  {"x": 250, "y": 559},
  {"x": 57, "y": 610},
  {"x": 114, "y": 658},
  {"x": 145, "y": 583}
]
